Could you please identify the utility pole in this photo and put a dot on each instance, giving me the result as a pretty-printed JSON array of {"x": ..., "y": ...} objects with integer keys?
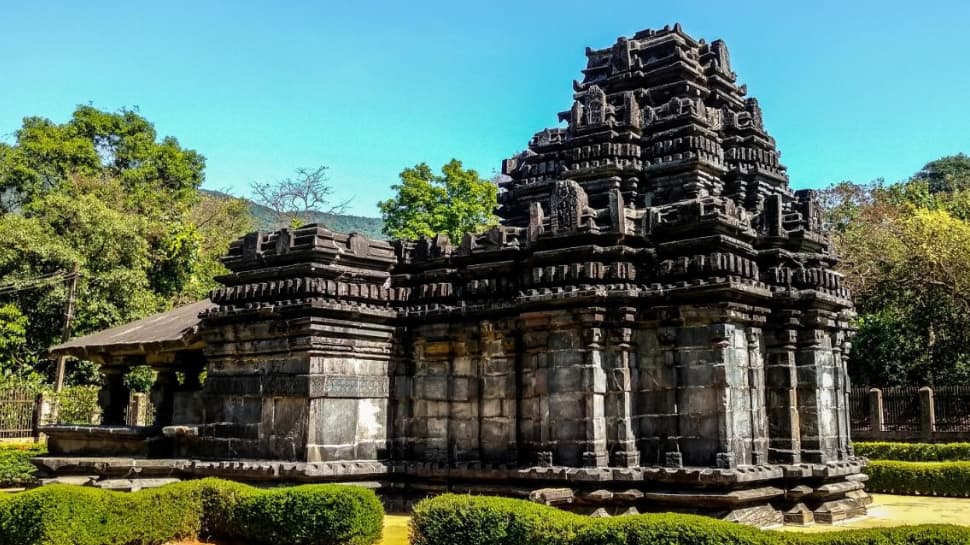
[{"x": 68, "y": 319}]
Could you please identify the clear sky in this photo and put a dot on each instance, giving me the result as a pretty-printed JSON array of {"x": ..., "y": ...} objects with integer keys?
[{"x": 850, "y": 89}]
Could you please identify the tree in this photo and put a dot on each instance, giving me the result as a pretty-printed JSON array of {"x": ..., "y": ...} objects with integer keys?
[
  {"x": 16, "y": 363},
  {"x": 300, "y": 199},
  {"x": 122, "y": 145},
  {"x": 946, "y": 174},
  {"x": 105, "y": 193},
  {"x": 905, "y": 251},
  {"x": 455, "y": 202},
  {"x": 218, "y": 218}
]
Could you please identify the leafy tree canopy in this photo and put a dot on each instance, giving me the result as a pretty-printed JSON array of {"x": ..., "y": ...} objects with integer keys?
[
  {"x": 905, "y": 251},
  {"x": 455, "y": 202},
  {"x": 103, "y": 193}
]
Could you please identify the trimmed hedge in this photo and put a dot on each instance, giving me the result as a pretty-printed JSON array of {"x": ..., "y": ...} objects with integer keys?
[
  {"x": 914, "y": 452},
  {"x": 15, "y": 467},
  {"x": 208, "y": 508},
  {"x": 919, "y": 478},
  {"x": 469, "y": 520}
]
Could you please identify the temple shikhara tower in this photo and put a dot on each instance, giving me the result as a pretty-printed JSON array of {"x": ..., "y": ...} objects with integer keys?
[{"x": 655, "y": 324}]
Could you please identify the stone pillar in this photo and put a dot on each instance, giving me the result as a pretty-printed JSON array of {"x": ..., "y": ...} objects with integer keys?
[
  {"x": 712, "y": 395},
  {"x": 619, "y": 396},
  {"x": 114, "y": 395},
  {"x": 841, "y": 393},
  {"x": 463, "y": 400},
  {"x": 402, "y": 397},
  {"x": 497, "y": 399},
  {"x": 657, "y": 421},
  {"x": 429, "y": 425},
  {"x": 876, "y": 414},
  {"x": 534, "y": 430},
  {"x": 927, "y": 413},
  {"x": 193, "y": 373},
  {"x": 781, "y": 380},
  {"x": 137, "y": 410},
  {"x": 162, "y": 395},
  {"x": 817, "y": 408},
  {"x": 46, "y": 409},
  {"x": 594, "y": 386},
  {"x": 756, "y": 391},
  {"x": 729, "y": 358}
]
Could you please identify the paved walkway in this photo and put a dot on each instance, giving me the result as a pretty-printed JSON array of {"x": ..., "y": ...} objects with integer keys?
[
  {"x": 890, "y": 510},
  {"x": 886, "y": 510}
]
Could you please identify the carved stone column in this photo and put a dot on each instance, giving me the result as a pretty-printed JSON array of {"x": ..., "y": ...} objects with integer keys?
[
  {"x": 463, "y": 400},
  {"x": 534, "y": 431},
  {"x": 619, "y": 396},
  {"x": 815, "y": 394},
  {"x": 497, "y": 400},
  {"x": 594, "y": 386},
  {"x": 756, "y": 385},
  {"x": 784, "y": 439},
  {"x": 162, "y": 395},
  {"x": 113, "y": 397}
]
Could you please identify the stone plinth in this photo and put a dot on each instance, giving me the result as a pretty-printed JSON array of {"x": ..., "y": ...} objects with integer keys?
[{"x": 98, "y": 440}]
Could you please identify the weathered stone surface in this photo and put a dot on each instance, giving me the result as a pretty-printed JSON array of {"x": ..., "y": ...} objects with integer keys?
[
  {"x": 838, "y": 510},
  {"x": 799, "y": 515},
  {"x": 657, "y": 312},
  {"x": 552, "y": 496},
  {"x": 130, "y": 485},
  {"x": 764, "y": 516}
]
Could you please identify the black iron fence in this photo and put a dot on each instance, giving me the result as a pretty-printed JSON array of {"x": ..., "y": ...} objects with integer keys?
[
  {"x": 910, "y": 413},
  {"x": 901, "y": 409},
  {"x": 952, "y": 408},
  {"x": 859, "y": 409}
]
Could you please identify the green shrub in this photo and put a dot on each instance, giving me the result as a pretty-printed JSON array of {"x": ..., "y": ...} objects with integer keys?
[
  {"x": 914, "y": 452},
  {"x": 77, "y": 405},
  {"x": 308, "y": 514},
  {"x": 15, "y": 467},
  {"x": 62, "y": 514},
  {"x": 923, "y": 478},
  {"x": 467, "y": 520},
  {"x": 301, "y": 515},
  {"x": 479, "y": 520}
]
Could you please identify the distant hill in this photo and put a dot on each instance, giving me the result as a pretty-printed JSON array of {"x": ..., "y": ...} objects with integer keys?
[{"x": 265, "y": 220}]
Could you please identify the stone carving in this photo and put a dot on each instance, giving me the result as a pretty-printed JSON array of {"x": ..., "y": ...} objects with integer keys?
[
  {"x": 596, "y": 106},
  {"x": 657, "y": 307},
  {"x": 567, "y": 205}
]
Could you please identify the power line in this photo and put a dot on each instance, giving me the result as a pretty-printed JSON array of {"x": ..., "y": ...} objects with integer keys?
[{"x": 31, "y": 283}]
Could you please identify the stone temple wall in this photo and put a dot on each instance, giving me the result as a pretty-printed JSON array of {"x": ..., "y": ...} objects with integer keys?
[
  {"x": 300, "y": 360},
  {"x": 656, "y": 321}
]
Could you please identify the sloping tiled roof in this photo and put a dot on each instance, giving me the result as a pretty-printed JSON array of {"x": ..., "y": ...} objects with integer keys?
[{"x": 173, "y": 330}]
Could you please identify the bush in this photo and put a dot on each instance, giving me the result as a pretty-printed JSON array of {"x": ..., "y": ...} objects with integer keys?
[
  {"x": 922, "y": 478},
  {"x": 61, "y": 514},
  {"x": 308, "y": 514},
  {"x": 15, "y": 467},
  {"x": 472, "y": 520},
  {"x": 77, "y": 405},
  {"x": 301, "y": 515},
  {"x": 467, "y": 520},
  {"x": 914, "y": 452}
]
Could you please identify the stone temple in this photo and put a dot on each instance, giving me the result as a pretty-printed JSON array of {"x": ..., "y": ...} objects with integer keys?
[{"x": 656, "y": 324}]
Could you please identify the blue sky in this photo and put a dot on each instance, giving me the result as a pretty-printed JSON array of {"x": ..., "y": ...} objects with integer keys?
[{"x": 850, "y": 89}]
